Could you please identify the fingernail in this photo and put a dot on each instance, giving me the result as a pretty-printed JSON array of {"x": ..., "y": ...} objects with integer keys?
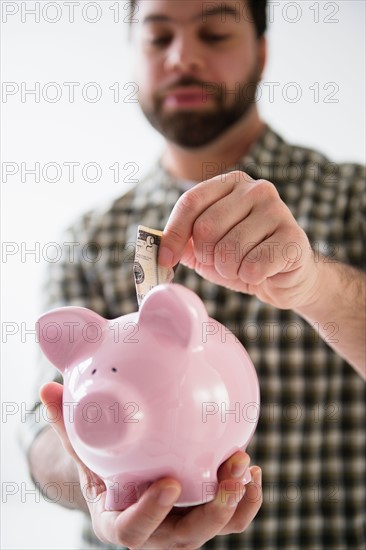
[
  {"x": 231, "y": 497},
  {"x": 258, "y": 477},
  {"x": 165, "y": 256},
  {"x": 168, "y": 495},
  {"x": 238, "y": 468},
  {"x": 232, "y": 500}
]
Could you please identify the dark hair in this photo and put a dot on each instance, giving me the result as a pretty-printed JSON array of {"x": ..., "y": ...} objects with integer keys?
[{"x": 257, "y": 10}]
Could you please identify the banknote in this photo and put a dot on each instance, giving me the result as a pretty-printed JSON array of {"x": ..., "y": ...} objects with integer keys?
[{"x": 146, "y": 270}]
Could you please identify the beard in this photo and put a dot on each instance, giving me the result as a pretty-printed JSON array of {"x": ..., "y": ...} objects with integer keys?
[{"x": 194, "y": 128}]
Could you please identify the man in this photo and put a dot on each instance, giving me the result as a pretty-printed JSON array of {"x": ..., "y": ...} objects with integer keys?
[{"x": 249, "y": 240}]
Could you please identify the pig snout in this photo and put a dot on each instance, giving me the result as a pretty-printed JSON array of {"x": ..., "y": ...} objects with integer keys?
[{"x": 98, "y": 421}]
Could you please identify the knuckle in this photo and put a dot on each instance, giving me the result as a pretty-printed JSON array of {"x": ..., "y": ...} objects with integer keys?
[
  {"x": 173, "y": 235},
  {"x": 269, "y": 186},
  {"x": 203, "y": 229},
  {"x": 274, "y": 209},
  {"x": 251, "y": 271},
  {"x": 227, "y": 267},
  {"x": 295, "y": 237},
  {"x": 188, "y": 201},
  {"x": 239, "y": 176},
  {"x": 237, "y": 526},
  {"x": 299, "y": 236},
  {"x": 264, "y": 190},
  {"x": 233, "y": 239}
]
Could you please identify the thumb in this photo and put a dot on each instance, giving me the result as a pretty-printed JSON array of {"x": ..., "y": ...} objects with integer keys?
[
  {"x": 188, "y": 257},
  {"x": 51, "y": 396}
]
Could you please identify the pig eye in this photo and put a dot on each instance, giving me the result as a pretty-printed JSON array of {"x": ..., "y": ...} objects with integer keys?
[
  {"x": 94, "y": 371},
  {"x": 114, "y": 369}
]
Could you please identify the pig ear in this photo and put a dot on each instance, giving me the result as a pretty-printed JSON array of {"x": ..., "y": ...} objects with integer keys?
[
  {"x": 69, "y": 333},
  {"x": 175, "y": 313}
]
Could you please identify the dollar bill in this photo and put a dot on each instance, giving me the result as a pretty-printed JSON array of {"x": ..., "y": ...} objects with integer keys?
[{"x": 147, "y": 272}]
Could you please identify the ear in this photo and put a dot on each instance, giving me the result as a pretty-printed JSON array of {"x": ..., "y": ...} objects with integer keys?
[
  {"x": 174, "y": 312},
  {"x": 69, "y": 333}
]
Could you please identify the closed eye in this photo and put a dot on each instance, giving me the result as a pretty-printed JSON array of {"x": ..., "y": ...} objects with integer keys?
[
  {"x": 215, "y": 37},
  {"x": 160, "y": 41}
]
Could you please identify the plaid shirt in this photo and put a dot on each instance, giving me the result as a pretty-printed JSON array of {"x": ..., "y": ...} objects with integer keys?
[{"x": 310, "y": 440}]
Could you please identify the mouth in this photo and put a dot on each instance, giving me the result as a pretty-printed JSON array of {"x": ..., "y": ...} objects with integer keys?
[{"x": 186, "y": 98}]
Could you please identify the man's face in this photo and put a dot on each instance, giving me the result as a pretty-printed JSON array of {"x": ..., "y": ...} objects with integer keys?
[{"x": 197, "y": 67}]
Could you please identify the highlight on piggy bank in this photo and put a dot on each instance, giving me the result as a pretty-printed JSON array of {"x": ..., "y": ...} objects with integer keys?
[{"x": 166, "y": 391}]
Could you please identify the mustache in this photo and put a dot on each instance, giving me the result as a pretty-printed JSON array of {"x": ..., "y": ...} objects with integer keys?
[
  {"x": 208, "y": 88},
  {"x": 185, "y": 82}
]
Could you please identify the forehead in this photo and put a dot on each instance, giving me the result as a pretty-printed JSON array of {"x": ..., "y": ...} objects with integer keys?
[{"x": 184, "y": 12}]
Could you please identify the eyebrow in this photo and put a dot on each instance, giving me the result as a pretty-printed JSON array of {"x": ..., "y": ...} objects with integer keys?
[{"x": 221, "y": 9}]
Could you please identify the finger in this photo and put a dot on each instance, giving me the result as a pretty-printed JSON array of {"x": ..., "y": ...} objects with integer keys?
[
  {"x": 187, "y": 209},
  {"x": 234, "y": 467},
  {"x": 211, "y": 517},
  {"x": 188, "y": 258},
  {"x": 91, "y": 484},
  {"x": 281, "y": 253},
  {"x": 248, "y": 506},
  {"x": 242, "y": 217},
  {"x": 238, "y": 244},
  {"x": 51, "y": 396},
  {"x": 249, "y": 255},
  {"x": 135, "y": 525}
]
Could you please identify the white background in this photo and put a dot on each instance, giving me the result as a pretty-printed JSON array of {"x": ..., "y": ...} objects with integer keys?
[{"x": 302, "y": 51}]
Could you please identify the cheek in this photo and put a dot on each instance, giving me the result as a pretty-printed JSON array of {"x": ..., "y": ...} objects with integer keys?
[
  {"x": 147, "y": 75},
  {"x": 235, "y": 67}
]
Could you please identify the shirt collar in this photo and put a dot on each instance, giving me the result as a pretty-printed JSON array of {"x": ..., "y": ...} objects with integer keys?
[{"x": 263, "y": 153}]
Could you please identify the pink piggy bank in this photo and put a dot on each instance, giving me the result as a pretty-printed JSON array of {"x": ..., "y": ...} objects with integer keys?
[{"x": 163, "y": 392}]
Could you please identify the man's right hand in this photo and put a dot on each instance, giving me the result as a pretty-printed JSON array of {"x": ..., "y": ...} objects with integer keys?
[{"x": 153, "y": 522}]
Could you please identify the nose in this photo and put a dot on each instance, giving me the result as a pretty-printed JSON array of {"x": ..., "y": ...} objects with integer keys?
[
  {"x": 184, "y": 56},
  {"x": 97, "y": 421}
]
